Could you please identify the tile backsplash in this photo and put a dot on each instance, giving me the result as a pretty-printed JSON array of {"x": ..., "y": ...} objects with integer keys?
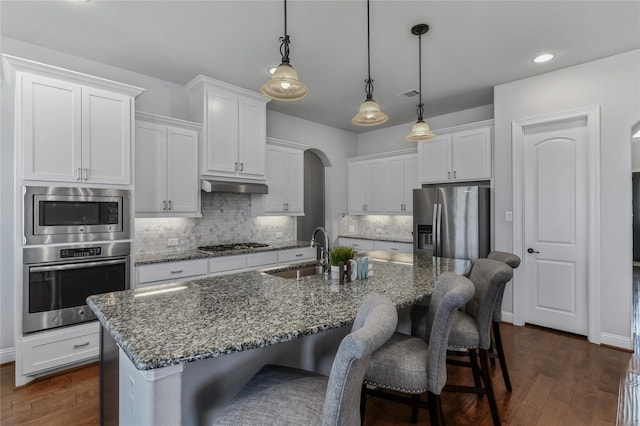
[
  {"x": 377, "y": 226},
  {"x": 226, "y": 218}
]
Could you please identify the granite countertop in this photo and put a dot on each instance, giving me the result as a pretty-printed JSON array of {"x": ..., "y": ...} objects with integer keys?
[
  {"x": 174, "y": 256},
  {"x": 380, "y": 238},
  {"x": 215, "y": 316}
]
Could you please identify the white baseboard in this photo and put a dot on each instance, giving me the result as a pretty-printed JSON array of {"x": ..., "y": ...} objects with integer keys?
[
  {"x": 7, "y": 355},
  {"x": 507, "y": 317},
  {"x": 622, "y": 342}
]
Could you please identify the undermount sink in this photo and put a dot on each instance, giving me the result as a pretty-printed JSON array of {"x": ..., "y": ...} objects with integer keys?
[{"x": 305, "y": 271}]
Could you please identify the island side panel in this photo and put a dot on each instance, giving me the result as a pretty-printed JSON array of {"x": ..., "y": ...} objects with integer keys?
[
  {"x": 109, "y": 398},
  {"x": 150, "y": 397}
]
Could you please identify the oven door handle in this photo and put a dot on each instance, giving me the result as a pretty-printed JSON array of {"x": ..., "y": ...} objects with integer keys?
[{"x": 76, "y": 265}]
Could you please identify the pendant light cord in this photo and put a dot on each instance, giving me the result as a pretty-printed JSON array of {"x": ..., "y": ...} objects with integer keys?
[
  {"x": 420, "y": 105},
  {"x": 368, "y": 88},
  {"x": 284, "y": 41}
]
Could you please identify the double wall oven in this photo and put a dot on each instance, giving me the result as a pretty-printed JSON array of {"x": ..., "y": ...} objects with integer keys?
[{"x": 76, "y": 245}]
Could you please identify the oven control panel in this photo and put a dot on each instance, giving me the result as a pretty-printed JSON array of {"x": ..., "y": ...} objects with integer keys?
[{"x": 80, "y": 252}]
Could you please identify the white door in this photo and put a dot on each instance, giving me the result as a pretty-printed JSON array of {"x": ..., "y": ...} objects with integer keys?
[
  {"x": 252, "y": 138},
  {"x": 276, "y": 179},
  {"x": 106, "y": 136},
  {"x": 555, "y": 225},
  {"x": 294, "y": 181},
  {"x": 151, "y": 168},
  {"x": 392, "y": 181},
  {"x": 182, "y": 171},
  {"x": 51, "y": 129},
  {"x": 222, "y": 133}
]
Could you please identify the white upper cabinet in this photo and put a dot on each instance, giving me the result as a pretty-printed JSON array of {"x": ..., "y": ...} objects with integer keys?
[
  {"x": 285, "y": 180},
  {"x": 457, "y": 154},
  {"x": 382, "y": 183},
  {"x": 235, "y": 121},
  {"x": 399, "y": 179},
  {"x": 72, "y": 127},
  {"x": 365, "y": 186},
  {"x": 167, "y": 180}
]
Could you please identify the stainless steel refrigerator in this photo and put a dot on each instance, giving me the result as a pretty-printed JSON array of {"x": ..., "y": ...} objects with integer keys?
[{"x": 452, "y": 221}]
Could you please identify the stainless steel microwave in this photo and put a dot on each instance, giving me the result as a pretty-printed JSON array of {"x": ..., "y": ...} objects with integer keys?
[{"x": 69, "y": 215}]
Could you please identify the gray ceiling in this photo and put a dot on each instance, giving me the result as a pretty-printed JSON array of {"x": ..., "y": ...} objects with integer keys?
[{"x": 471, "y": 46}]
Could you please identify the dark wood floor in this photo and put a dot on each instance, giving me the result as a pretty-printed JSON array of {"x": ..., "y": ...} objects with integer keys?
[{"x": 558, "y": 379}]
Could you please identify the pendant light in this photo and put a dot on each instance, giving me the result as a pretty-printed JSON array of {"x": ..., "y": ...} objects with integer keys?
[
  {"x": 420, "y": 130},
  {"x": 369, "y": 113},
  {"x": 284, "y": 84}
]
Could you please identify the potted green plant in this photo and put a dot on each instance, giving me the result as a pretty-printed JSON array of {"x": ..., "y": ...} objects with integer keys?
[{"x": 337, "y": 255}]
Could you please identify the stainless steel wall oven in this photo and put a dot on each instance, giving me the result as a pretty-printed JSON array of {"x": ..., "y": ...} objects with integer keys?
[
  {"x": 68, "y": 215},
  {"x": 58, "y": 279}
]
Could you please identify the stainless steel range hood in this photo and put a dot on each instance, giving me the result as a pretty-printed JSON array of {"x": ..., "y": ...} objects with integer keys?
[{"x": 210, "y": 185}]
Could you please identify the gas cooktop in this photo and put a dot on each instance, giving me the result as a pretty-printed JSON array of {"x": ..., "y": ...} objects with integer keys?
[{"x": 229, "y": 247}]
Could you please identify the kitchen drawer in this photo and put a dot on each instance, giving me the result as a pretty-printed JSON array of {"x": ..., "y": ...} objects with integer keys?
[
  {"x": 227, "y": 263},
  {"x": 171, "y": 271},
  {"x": 358, "y": 244},
  {"x": 297, "y": 255},
  {"x": 261, "y": 259},
  {"x": 393, "y": 246},
  {"x": 54, "y": 349}
]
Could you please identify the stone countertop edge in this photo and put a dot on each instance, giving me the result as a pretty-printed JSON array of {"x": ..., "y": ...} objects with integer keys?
[
  {"x": 193, "y": 254},
  {"x": 250, "y": 310},
  {"x": 388, "y": 239}
]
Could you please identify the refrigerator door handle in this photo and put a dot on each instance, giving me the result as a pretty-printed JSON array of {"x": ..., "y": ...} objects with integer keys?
[
  {"x": 438, "y": 244},
  {"x": 434, "y": 231}
]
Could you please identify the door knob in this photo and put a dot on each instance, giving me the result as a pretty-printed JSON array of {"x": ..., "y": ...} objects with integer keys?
[{"x": 530, "y": 250}]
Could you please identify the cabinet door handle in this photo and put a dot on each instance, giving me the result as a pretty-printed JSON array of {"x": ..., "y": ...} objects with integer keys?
[
  {"x": 81, "y": 345},
  {"x": 241, "y": 167},
  {"x": 235, "y": 167},
  {"x": 177, "y": 271},
  {"x": 85, "y": 172},
  {"x": 164, "y": 205},
  {"x": 448, "y": 175},
  {"x": 299, "y": 255},
  {"x": 454, "y": 174},
  {"x": 169, "y": 204},
  {"x": 78, "y": 173}
]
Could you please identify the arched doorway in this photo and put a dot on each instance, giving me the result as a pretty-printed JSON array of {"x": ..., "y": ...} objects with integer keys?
[{"x": 314, "y": 195}]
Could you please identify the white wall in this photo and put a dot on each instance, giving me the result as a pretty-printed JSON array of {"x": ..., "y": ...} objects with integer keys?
[
  {"x": 614, "y": 84},
  {"x": 393, "y": 138}
]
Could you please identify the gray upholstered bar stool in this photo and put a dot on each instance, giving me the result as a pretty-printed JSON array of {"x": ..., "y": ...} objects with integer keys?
[
  {"x": 280, "y": 395},
  {"x": 471, "y": 328},
  {"x": 513, "y": 261},
  {"x": 411, "y": 365}
]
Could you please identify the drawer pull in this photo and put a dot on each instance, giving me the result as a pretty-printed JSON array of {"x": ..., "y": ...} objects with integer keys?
[
  {"x": 82, "y": 345},
  {"x": 299, "y": 255},
  {"x": 177, "y": 271},
  {"x": 394, "y": 249}
]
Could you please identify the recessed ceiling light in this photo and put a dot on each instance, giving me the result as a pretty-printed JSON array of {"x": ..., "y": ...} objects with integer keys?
[{"x": 545, "y": 57}]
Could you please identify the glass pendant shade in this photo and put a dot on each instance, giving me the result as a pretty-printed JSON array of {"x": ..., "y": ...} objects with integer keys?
[
  {"x": 285, "y": 85},
  {"x": 420, "y": 132},
  {"x": 369, "y": 114}
]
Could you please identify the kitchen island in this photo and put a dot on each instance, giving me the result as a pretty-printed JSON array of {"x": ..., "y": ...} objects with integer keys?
[{"x": 184, "y": 349}]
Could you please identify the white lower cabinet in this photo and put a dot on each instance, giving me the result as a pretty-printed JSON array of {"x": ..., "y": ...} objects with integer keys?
[
  {"x": 58, "y": 348},
  {"x": 361, "y": 245},
  {"x": 165, "y": 272},
  {"x": 157, "y": 273},
  {"x": 358, "y": 244},
  {"x": 297, "y": 255},
  {"x": 393, "y": 246}
]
